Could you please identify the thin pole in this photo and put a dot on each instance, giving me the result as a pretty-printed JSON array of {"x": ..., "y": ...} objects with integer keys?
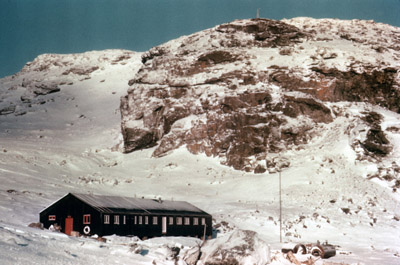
[
  {"x": 280, "y": 206},
  {"x": 280, "y": 192},
  {"x": 204, "y": 233}
]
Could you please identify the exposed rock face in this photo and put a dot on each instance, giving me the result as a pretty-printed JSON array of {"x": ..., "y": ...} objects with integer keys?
[
  {"x": 8, "y": 109},
  {"x": 244, "y": 89},
  {"x": 240, "y": 247},
  {"x": 376, "y": 86},
  {"x": 376, "y": 141},
  {"x": 263, "y": 32}
]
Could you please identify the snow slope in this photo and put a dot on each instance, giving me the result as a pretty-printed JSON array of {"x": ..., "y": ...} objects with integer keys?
[{"x": 68, "y": 141}]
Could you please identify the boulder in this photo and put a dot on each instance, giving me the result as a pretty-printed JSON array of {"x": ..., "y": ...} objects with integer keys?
[
  {"x": 192, "y": 255},
  {"x": 7, "y": 109},
  {"x": 136, "y": 139},
  {"x": 45, "y": 88},
  {"x": 238, "y": 247},
  {"x": 377, "y": 142},
  {"x": 36, "y": 225}
]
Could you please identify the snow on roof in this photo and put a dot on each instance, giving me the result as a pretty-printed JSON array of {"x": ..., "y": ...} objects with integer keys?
[{"x": 111, "y": 203}]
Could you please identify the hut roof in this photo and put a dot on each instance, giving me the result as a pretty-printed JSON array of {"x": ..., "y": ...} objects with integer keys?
[{"x": 112, "y": 204}]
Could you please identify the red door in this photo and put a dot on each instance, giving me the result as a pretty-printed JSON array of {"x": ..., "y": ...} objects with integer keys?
[{"x": 69, "y": 225}]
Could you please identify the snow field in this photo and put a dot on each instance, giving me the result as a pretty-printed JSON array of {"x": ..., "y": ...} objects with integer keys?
[{"x": 68, "y": 144}]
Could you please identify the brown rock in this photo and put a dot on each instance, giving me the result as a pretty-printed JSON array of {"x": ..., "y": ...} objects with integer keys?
[
  {"x": 308, "y": 107},
  {"x": 36, "y": 225},
  {"x": 377, "y": 142},
  {"x": 375, "y": 87},
  {"x": 135, "y": 139},
  {"x": 259, "y": 169},
  {"x": 239, "y": 111},
  {"x": 217, "y": 57},
  {"x": 266, "y": 32}
]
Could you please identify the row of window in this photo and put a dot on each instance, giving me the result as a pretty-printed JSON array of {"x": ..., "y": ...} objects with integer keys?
[
  {"x": 86, "y": 219},
  {"x": 116, "y": 219},
  {"x": 140, "y": 220}
]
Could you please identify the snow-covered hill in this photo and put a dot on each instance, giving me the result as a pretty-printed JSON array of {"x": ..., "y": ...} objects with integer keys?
[
  {"x": 60, "y": 131},
  {"x": 242, "y": 90}
]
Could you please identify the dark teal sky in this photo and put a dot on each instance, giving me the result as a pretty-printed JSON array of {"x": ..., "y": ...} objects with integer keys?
[{"x": 32, "y": 27}]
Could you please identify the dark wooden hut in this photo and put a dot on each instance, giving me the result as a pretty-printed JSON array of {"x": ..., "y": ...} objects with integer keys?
[{"x": 126, "y": 216}]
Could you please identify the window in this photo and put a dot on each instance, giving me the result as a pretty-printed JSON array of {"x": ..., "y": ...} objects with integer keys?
[
  {"x": 106, "y": 219},
  {"x": 179, "y": 220},
  {"x": 124, "y": 219},
  {"x": 116, "y": 219},
  {"x": 203, "y": 221},
  {"x": 52, "y": 217},
  {"x": 171, "y": 220},
  {"x": 135, "y": 220},
  {"x": 155, "y": 220},
  {"x": 195, "y": 221},
  {"x": 146, "y": 220},
  {"x": 86, "y": 219},
  {"x": 187, "y": 221},
  {"x": 140, "y": 220}
]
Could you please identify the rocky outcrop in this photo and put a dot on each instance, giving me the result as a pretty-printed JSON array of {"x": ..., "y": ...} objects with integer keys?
[
  {"x": 376, "y": 87},
  {"x": 251, "y": 87},
  {"x": 41, "y": 88},
  {"x": 7, "y": 109},
  {"x": 39, "y": 81},
  {"x": 376, "y": 141},
  {"x": 308, "y": 107},
  {"x": 81, "y": 71},
  {"x": 239, "y": 247},
  {"x": 369, "y": 140},
  {"x": 261, "y": 33}
]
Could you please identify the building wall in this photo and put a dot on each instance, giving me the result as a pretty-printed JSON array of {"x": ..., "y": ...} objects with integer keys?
[
  {"x": 136, "y": 225},
  {"x": 70, "y": 206},
  {"x": 124, "y": 224}
]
